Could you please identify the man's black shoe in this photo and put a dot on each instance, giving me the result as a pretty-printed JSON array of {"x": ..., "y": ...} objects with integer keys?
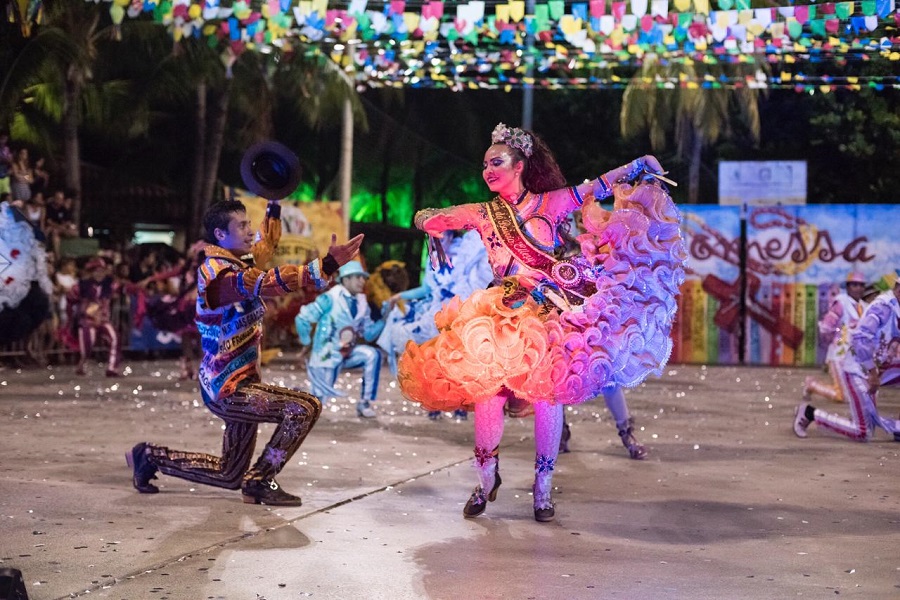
[
  {"x": 143, "y": 470},
  {"x": 269, "y": 493}
]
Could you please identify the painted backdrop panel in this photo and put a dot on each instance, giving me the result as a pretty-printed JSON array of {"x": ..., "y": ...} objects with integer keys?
[{"x": 796, "y": 260}]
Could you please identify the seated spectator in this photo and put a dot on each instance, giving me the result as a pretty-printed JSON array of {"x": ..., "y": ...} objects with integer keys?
[
  {"x": 6, "y": 159},
  {"x": 41, "y": 178},
  {"x": 21, "y": 176},
  {"x": 58, "y": 221},
  {"x": 36, "y": 213}
]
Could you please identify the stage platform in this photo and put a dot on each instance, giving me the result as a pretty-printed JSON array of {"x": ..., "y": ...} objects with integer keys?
[{"x": 729, "y": 504}]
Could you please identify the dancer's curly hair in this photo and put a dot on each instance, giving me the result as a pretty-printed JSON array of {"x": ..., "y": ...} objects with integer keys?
[
  {"x": 541, "y": 173},
  {"x": 389, "y": 278}
]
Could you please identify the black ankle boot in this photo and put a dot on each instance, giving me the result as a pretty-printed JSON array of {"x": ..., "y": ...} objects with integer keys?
[
  {"x": 564, "y": 439},
  {"x": 635, "y": 449},
  {"x": 544, "y": 510},
  {"x": 143, "y": 470},
  {"x": 478, "y": 500},
  {"x": 267, "y": 492}
]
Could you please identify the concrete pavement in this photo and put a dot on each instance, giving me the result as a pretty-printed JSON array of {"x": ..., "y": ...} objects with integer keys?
[{"x": 729, "y": 504}]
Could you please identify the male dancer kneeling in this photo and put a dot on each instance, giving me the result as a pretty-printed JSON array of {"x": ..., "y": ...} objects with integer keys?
[{"x": 229, "y": 317}]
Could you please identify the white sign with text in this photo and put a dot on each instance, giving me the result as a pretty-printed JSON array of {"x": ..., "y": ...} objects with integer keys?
[{"x": 767, "y": 182}]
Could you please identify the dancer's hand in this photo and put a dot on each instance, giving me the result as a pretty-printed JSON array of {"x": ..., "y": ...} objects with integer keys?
[
  {"x": 344, "y": 253},
  {"x": 431, "y": 222},
  {"x": 652, "y": 164},
  {"x": 390, "y": 303},
  {"x": 873, "y": 377},
  {"x": 270, "y": 235},
  {"x": 303, "y": 356}
]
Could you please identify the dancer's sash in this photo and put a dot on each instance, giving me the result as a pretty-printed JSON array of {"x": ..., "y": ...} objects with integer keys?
[{"x": 567, "y": 273}]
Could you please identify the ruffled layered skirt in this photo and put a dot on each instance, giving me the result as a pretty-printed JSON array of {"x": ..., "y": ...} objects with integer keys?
[{"x": 618, "y": 336}]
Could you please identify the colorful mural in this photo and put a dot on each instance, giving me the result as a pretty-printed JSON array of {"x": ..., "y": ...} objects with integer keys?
[{"x": 796, "y": 259}]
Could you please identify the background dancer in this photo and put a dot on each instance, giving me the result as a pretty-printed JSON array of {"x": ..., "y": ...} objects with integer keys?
[
  {"x": 89, "y": 302},
  {"x": 873, "y": 361},
  {"x": 614, "y": 397},
  {"x": 229, "y": 316},
  {"x": 177, "y": 313},
  {"x": 535, "y": 335},
  {"x": 834, "y": 329},
  {"x": 412, "y": 317},
  {"x": 343, "y": 327},
  {"x": 386, "y": 280}
]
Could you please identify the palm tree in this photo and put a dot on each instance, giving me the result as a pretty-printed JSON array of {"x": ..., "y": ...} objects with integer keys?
[
  {"x": 309, "y": 92},
  {"x": 664, "y": 99},
  {"x": 46, "y": 83},
  {"x": 262, "y": 95}
]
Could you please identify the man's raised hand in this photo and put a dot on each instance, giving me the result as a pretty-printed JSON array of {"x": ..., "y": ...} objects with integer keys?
[{"x": 344, "y": 253}]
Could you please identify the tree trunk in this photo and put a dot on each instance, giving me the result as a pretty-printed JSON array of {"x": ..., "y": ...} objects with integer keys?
[
  {"x": 694, "y": 169},
  {"x": 209, "y": 150},
  {"x": 215, "y": 142},
  {"x": 387, "y": 155},
  {"x": 71, "y": 149},
  {"x": 195, "y": 226}
]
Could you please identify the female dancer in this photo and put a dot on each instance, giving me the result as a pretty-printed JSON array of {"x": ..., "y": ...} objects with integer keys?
[{"x": 556, "y": 329}]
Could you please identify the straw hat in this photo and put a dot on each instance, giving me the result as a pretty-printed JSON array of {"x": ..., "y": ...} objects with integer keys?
[{"x": 856, "y": 277}]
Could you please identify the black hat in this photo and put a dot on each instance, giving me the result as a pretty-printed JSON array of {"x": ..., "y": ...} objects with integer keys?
[{"x": 270, "y": 170}]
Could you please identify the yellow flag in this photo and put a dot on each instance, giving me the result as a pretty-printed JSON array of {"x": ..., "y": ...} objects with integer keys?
[
  {"x": 411, "y": 20},
  {"x": 570, "y": 25},
  {"x": 517, "y": 10},
  {"x": 722, "y": 18},
  {"x": 756, "y": 28}
]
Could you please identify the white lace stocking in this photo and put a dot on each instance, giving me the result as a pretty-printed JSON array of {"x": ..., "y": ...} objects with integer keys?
[
  {"x": 488, "y": 432},
  {"x": 548, "y": 422}
]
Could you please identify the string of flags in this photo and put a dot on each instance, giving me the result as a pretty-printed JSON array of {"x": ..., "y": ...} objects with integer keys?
[{"x": 478, "y": 44}]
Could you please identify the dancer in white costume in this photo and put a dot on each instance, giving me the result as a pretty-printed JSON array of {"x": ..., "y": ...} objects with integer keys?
[
  {"x": 414, "y": 318},
  {"x": 468, "y": 270},
  {"x": 873, "y": 361},
  {"x": 834, "y": 328},
  {"x": 25, "y": 288}
]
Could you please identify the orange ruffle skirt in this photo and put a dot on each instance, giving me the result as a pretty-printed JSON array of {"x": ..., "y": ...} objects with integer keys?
[{"x": 619, "y": 336}]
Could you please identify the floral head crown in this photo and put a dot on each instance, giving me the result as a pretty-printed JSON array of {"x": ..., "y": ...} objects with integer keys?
[{"x": 512, "y": 137}]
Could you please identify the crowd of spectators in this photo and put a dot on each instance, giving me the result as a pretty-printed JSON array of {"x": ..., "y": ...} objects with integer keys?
[
  {"x": 25, "y": 186},
  {"x": 148, "y": 279}
]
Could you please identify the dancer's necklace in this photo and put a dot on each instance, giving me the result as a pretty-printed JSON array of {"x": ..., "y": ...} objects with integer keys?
[{"x": 517, "y": 198}]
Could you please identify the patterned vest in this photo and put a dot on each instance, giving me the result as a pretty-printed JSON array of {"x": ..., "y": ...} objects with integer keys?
[{"x": 230, "y": 334}]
